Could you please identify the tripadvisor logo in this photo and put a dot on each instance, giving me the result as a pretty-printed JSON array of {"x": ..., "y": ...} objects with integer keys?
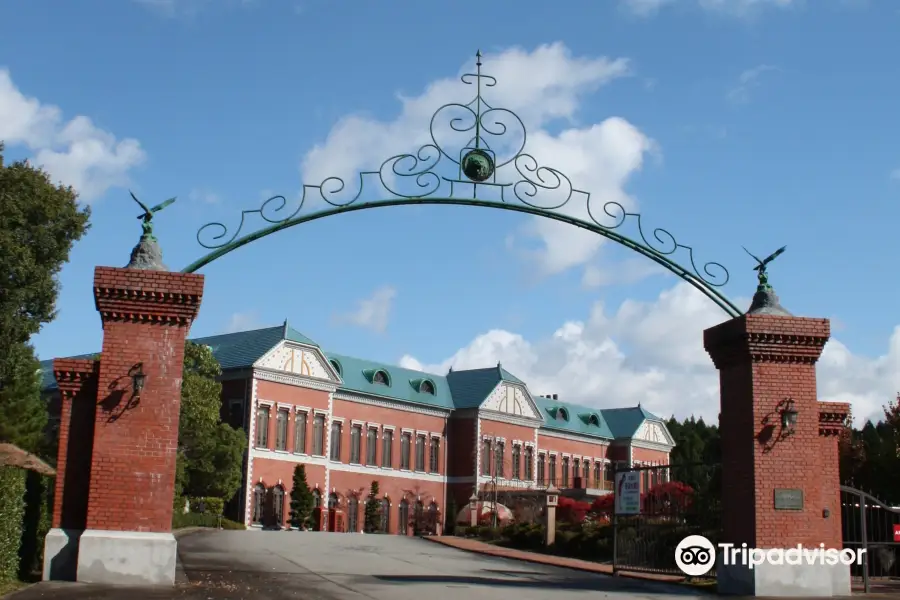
[{"x": 695, "y": 556}]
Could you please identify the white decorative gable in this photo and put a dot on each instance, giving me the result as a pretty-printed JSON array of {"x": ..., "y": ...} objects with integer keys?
[
  {"x": 306, "y": 362},
  {"x": 512, "y": 400},
  {"x": 654, "y": 432}
]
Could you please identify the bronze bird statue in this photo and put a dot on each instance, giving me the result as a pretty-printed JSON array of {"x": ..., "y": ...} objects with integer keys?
[
  {"x": 147, "y": 215},
  {"x": 761, "y": 267}
]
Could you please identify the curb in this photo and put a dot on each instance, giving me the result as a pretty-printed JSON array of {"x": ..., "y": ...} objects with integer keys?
[{"x": 536, "y": 560}]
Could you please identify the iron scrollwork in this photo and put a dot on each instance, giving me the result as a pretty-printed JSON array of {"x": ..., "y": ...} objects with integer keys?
[{"x": 492, "y": 140}]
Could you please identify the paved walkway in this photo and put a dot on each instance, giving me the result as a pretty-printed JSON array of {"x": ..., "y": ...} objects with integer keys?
[{"x": 471, "y": 545}]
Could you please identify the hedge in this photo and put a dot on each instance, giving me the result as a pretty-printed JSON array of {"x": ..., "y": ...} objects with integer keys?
[
  {"x": 207, "y": 506},
  {"x": 35, "y": 524},
  {"x": 12, "y": 511},
  {"x": 180, "y": 520}
]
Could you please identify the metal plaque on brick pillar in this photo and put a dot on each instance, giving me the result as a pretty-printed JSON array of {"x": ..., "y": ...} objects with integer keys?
[
  {"x": 788, "y": 499},
  {"x": 477, "y": 155}
]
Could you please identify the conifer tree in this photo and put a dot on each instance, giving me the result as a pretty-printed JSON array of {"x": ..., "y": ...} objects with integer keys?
[
  {"x": 372, "y": 522},
  {"x": 301, "y": 499}
]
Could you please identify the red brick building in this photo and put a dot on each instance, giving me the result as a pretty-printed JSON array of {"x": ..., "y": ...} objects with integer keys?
[{"x": 429, "y": 440}]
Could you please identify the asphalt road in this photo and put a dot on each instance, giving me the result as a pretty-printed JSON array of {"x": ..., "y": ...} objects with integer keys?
[{"x": 279, "y": 565}]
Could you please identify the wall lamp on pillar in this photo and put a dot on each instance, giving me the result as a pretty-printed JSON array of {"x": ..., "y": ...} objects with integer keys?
[
  {"x": 788, "y": 417},
  {"x": 138, "y": 378}
]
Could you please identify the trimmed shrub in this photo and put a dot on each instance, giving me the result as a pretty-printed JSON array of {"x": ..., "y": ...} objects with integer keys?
[
  {"x": 208, "y": 506},
  {"x": 12, "y": 510},
  {"x": 182, "y": 520}
]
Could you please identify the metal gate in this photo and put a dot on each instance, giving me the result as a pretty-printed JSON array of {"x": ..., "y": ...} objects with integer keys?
[
  {"x": 676, "y": 501},
  {"x": 871, "y": 525}
]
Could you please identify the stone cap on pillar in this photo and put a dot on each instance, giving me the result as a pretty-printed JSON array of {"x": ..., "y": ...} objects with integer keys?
[
  {"x": 72, "y": 373},
  {"x": 147, "y": 295},
  {"x": 763, "y": 337}
]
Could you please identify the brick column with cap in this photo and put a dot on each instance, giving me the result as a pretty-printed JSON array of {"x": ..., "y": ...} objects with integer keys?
[
  {"x": 146, "y": 317},
  {"x": 780, "y": 483}
]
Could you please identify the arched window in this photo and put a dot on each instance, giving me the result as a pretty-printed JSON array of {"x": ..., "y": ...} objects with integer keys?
[
  {"x": 594, "y": 420},
  {"x": 337, "y": 367},
  {"x": 259, "y": 503},
  {"x": 353, "y": 515},
  {"x": 403, "y": 517},
  {"x": 432, "y": 518},
  {"x": 333, "y": 501},
  {"x": 278, "y": 505},
  {"x": 385, "y": 515},
  {"x": 563, "y": 414},
  {"x": 381, "y": 377},
  {"x": 317, "y": 498},
  {"x": 427, "y": 387}
]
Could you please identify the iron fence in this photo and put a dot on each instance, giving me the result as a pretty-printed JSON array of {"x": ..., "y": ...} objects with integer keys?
[
  {"x": 686, "y": 501},
  {"x": 871, "y": 525}
]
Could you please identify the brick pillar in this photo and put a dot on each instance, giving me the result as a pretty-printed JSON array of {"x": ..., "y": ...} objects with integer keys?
[
  {"x": 77, "y": 383},
  {"x": 764, "y": 359},
  {"x": 146, "y": 315}
]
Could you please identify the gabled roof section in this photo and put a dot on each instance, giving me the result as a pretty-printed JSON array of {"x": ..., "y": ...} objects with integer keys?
[
  {"x": 566, "y": 417},
  {"x": 471, "y": 387},
  {"x": 242, "y": 349},
  {"x": 404, "y": 385},
  {"x": 624, "y": 422}
]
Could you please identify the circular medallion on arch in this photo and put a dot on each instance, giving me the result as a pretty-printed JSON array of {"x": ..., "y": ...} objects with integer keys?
[{"x": 478, "y": 165}]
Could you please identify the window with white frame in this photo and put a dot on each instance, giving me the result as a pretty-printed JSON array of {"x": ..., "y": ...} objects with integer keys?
[
  {"x": 405, "y": 449},
  {"x": 541, "y": 469},
  {"x": 499, "y": 455},
  {"x": 577, "y": 469},
  {"x": 434, "y": 455},
  {"x": 262, "y": 426},
  {"x": 300, "y": 432},
  {"x": 387, "y": 448},
  {"x": 336, "y": 440},
  {"x": 586, "y": 473},
  {"x": 565, "y": 471},
  {"x": 372, "y": 446},
  {"x": 319, "y": 435},
  {"x": 529, "y": 463},
  {"x": 355, "y": 441},
  {"x": 553, "y": 470},
  {"x": 420, "y": 453},
  {"x": 486, "y": 457},
  {"x": 281, "y": 428},
  {"x": 516, "y": 461}
]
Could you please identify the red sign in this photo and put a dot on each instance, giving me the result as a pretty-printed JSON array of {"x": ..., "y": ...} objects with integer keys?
[{"x": 897, "y": 533}]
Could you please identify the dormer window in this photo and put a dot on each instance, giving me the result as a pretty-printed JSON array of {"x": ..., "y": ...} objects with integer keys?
[
  {"x": 427, "y": 387},
  {"x": 381, "y": 377},
  {"x": 337, "y": 367},
  {"x": 563, "y": 414},
  {"x": 594, "y": 420}
]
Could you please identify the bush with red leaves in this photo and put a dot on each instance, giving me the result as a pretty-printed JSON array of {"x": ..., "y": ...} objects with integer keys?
[
  {"x": 571, "y": 511},
  {"x": 673, "y": 497}
]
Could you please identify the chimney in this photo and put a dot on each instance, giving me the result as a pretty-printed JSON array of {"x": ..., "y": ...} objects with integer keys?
[{"x": 556, "y": 396}]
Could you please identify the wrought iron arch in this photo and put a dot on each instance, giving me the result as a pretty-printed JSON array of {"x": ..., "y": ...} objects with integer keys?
[{"x": 488, "y": 168}]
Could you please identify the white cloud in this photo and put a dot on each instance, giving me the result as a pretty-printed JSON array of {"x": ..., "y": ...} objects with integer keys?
[
  {"x": 245, "y": 321},
  {"x": 732, "y": 8},
  {"x": 374, "y": 312},
  {"x": 191, "y": 8},
  {"x": 544, "y": 86},
  {"x": 204, "y": 196},
  {"x": 748, "y": 80},
  {"x": 652, "y": 353},
  {"x": 75, "y": 153}
]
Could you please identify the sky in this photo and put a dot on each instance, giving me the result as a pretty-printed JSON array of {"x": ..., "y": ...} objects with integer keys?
[{"x": 730, "y": 123}]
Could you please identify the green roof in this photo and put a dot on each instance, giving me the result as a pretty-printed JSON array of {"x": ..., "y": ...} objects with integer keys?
[
  {"x": 573, "y": 418},
  {"x": 624, "y": 422},
  {"x": 472, "y": 386},
  {"x": 404, "y": 384},
  {"x": 456, "y": 390}
]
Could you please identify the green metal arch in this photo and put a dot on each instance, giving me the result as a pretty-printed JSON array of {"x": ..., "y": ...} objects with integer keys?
[{"x": 708, "y": 290}]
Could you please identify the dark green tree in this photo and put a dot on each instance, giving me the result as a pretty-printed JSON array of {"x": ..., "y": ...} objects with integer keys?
[
  {"x": 210, "y": 451},
  {"x": 39, "y": 223},
  {"x": 372, "y": 519},
  {"x": 301, "y": 499}
]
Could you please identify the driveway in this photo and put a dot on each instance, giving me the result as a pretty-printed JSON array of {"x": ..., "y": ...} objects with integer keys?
[{"x": 321, "y": 566}]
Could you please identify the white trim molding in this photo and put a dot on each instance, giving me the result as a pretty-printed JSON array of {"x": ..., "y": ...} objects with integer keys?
[
  {"x": 384, "y": 402},
  {"x": 293, "y": 379},
  {"x": 268, "y": 403},
  {"x": 574, "y": 437}
]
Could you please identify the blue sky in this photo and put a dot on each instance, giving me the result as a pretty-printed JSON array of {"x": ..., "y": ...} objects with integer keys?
[{"x": 728, "y": 122}]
